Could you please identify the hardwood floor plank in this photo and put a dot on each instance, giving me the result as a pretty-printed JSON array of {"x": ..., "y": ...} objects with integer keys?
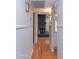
[{"x": 42, "y": 50}]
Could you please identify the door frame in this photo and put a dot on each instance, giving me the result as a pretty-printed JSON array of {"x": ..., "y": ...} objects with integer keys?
[{"x": 35, "y": 26}]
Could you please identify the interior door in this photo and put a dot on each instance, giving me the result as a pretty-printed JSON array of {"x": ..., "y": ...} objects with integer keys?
[{"x": 41, "y": 23}]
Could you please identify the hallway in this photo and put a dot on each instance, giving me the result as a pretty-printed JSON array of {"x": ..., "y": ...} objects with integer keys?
[
  {"x": 30, "y": 26},
  {"x": 42, "y": 50}
]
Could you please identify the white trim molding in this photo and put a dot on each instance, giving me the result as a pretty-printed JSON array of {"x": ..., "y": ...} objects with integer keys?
[
  {"x": 60, "y": 26},
  {"x": 31, "y": 53},
  {"x": 22, "y": 26}
]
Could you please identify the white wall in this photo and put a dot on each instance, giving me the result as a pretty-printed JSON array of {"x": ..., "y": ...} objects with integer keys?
[
  {"x": 60, "y": 29},
  {"x": 47, "y": 24},
  {"x": 57, "y": 38},
  {"x": 24, "y": 31},
  {"x": 36, "y": 28},
  {"x": 24, "y": 43},
  {"x": 53, "y": 36},
  {"x": 53, "y": 33}
]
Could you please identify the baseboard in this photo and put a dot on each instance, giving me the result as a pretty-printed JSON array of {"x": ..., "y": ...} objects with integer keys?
[
  {"x": 31, "y": 54},
  {"x": 52, "y": 49}
]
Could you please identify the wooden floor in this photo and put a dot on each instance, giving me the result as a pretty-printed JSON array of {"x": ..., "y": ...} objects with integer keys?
[{"x": 41, "y": 49}]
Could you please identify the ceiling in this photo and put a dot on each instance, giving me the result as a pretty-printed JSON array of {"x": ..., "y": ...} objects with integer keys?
[
  {"x": 41, "y": 3},
  {"x": 38, "y": 4}
]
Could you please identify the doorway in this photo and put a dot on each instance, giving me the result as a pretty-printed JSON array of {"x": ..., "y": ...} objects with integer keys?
[{"x": 42, "y": 26}]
